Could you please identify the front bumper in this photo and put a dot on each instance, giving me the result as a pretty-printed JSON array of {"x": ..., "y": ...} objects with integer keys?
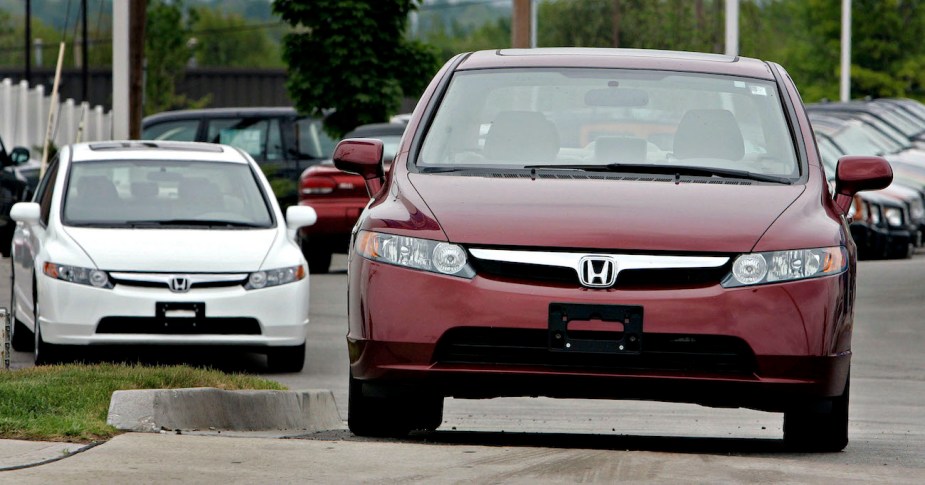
[
  {"x": 795, "y": 336},
  {"x": 72, "y": 313}
]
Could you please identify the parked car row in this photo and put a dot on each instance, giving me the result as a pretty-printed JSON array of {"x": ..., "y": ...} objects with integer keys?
[{"x": 888, "y": 223}]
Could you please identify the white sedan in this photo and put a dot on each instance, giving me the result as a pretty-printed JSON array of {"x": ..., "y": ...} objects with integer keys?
[{"x": 158, "y": 243}]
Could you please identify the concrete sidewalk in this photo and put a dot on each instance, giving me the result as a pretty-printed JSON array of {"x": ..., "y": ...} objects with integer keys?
[
  {"x": 15, "y": 454},
  {"x": 254, "y": 414},
  {"x": 167, "y": 457}
]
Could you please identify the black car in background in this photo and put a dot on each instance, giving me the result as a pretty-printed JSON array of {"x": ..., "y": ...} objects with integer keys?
[
  {"x": 18, "y": 179},
  {"x": 282, "y": 142}
]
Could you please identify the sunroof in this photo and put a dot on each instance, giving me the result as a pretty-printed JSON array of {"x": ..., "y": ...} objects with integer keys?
[{"x": 156, "y": 145}]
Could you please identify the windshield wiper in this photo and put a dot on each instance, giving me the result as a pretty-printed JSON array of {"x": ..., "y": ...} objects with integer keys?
[
  {"x": 193, "y": 222},
  {"x": 669, "y": 170},
  {"x": 440, "y": 169}
]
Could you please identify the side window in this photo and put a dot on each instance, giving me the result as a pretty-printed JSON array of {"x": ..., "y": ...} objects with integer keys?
[
  {"x": 311, "y": 140},
  {"x": 274, "y": 141},
  {"x": 248, "y": 134},
  {"x": 47, "y": 190},
  {"x": 180, "y": 130}
]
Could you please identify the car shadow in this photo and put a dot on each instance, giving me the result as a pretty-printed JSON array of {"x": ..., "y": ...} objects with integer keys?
[{"x": 614, "y": 442}]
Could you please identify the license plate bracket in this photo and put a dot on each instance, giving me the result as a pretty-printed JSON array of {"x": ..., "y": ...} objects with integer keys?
[
  {"x": 629, "y": 316},
  {"x": 180, "y": 314}
]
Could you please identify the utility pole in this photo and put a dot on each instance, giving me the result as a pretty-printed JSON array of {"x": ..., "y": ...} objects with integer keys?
[
  {"x": 732, "y": 27},
  {"x": 844, "y": 91},
  {"x": 128, "y": 21},
  {"x": 139, "y": 14},
  {"x": 120, "y": 70},
  {"x": 27, "y": 52},
  {"x": 85, "y": 59},
  {"x": 521, "y": 23}
]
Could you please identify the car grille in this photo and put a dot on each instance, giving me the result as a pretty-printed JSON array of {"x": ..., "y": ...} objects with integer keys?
[
  {"x": 162, "y": 280},
  {"x": 635, "y": 279},
  {"x": 714, "y": 354},
  {"x": 179, "y": 326}
]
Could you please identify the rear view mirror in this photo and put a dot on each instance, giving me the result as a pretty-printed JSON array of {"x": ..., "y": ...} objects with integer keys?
[
  {"x": 617, "y": 97},
  {"x": 299, "y": 216},
  {"x": 856, "y": 173},
  {"x": 19, "y": 155},
  {"x": 361, "y": 156},
  {"x": 27, "y": 212}
]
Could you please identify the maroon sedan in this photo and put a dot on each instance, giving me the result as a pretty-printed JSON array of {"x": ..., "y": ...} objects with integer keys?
[{"x": 600, "y": 223}]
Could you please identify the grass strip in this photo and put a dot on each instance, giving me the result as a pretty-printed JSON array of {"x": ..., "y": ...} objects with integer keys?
[{"x": 71, "y": 402}]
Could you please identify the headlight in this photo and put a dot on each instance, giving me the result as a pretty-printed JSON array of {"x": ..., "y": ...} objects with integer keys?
[
  {"x": 778, "y": 266},
  {"x": 274, "y": 277},
  {"x": 893, "y": 216},
  {"x": 411, "y": 252},
  {"x": 76, "y": 274}
]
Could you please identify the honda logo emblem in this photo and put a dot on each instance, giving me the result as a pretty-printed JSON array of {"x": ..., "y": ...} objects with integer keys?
[
  {"x": 179, "y": 284},
  {"x": 597, "y": 271}
]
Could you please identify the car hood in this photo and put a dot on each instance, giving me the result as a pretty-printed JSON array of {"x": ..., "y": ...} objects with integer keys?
[
  {"x": 175, "y": 250},
  {"x": 721, "y": 216}
]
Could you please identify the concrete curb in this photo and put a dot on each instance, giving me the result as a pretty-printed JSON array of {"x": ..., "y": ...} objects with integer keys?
[{"x": 206, "y": 408}]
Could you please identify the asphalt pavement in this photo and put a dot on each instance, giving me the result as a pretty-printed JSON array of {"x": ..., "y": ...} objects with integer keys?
[{"x": 543, "y": 440}]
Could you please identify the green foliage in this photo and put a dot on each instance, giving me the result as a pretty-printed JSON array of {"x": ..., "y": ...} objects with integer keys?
[
  {"x": 455, "y": 38},
  {"x": 71, "y": 402},
  {"x": 888, "y": 57},
  {"x": 13, "y": 33},
  {"x": 225, "y": 39},
  {"x": 664, "y": 24},
  {"x": 167, "y": 53},
  {"x": 351, "y": 56}
]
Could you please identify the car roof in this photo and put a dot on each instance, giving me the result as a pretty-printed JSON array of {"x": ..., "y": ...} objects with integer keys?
[
  {"x": 267, "y": 111},
  {"x": 618, "y": 58},
  {"x": 155, "y": 150}
]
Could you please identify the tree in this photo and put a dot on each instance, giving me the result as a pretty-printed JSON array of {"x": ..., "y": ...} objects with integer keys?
[
  {"x": 452, "y": 40},
  {"x": 352, "y": 57},
  {"x": 226, "y": 39},
  {"x": 167, "y": 54}
]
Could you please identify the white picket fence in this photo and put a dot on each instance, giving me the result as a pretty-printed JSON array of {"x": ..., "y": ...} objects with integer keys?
[{"x": 24, "y": 118}]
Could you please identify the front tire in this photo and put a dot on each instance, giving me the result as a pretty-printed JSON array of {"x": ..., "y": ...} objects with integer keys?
[
  {"x": 391, "y": 415},
  {"x": 286, "y": 359},
  {"x": 21, "y": 338},
  {"x": 45, "y": 353},
  {"x": 318, "y": 256},
  {"x": 819, "y": 427}
]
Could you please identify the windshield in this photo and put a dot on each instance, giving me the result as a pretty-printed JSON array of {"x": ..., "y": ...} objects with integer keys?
[
  {"x": 516, "y": 118},
  {"x": 143, "y": 193},
  {"x": 900, "y": 141},
  {"x": 855, "y": 140},
  {"x": 901, "y": 122}
]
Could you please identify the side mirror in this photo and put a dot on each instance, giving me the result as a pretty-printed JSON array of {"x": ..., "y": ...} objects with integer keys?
[
  {"x": 298, "y": 216},
  {"x": 856, "y": 173},
  {"x": 362, "y": 156},
  {"x": 19, "y": 155},
  {"x": 27, "y": 212}
]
